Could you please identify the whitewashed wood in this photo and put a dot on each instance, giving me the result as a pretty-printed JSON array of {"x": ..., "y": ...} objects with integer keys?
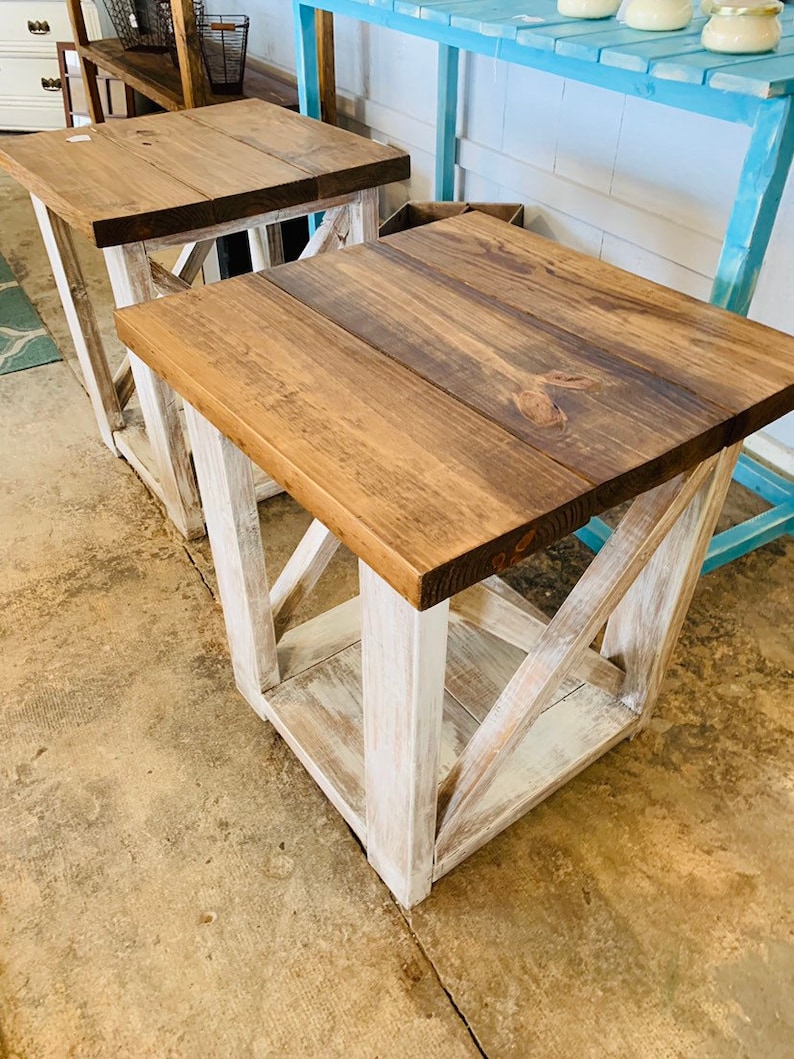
[
  {"x": 215, "y": 231},
  {"x": 319, "y": 638},
  {"x": 211, "y": 269},
  {"x": 227, "y": 491},
  {"x": 563, "y": 741},
  {"x": 187, "y": 267},
  {"x": 264, "y": 485},
  {"x": 130, "y": 278},
  {"x": 135, "y": 448},
  {"x": 295, "y": 582},
  {"x": 643, "y": 630},
  {"x": 320, "y": 715},
  {"x": 266, "y": 247},
  {"x": 403, "y": 658},
  {"x": 561, "y": 645},
  {"x": 123, "y": 382},
  {"x": 191, "y": 259},
  {"x": 494, "y": 606},
  {"x": 364, "y": 218},
  {"x": 81, "y": 319},
  {"x": 166, "y": 282},
  {"x": 332, "y": 234}
]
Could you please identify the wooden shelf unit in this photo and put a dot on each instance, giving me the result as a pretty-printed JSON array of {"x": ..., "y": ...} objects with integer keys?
[
  {"x": 183, "y": 86},
  {"x": 156, "y": 77}
]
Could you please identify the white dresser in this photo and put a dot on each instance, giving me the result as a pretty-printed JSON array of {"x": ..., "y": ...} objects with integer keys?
[{"x": 30, "y": 90}]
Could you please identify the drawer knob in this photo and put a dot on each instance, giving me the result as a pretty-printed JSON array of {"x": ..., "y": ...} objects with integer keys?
[
  {"x": 51, "y": 84},
  {"x": 38, "y": 28}
]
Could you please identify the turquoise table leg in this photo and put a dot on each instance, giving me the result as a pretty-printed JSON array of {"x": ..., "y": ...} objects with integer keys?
[
  {"x": 763, "y": 177},
  {"x": 307, "y": 72},
  {"x": 446, "y": 122}
]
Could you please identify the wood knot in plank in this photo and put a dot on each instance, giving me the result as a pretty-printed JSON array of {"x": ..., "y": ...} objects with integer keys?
[{"x": 540, "y": 408}]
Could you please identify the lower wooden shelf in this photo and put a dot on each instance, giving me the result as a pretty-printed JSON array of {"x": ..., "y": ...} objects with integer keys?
[
  {"x": 157, "y": 78},
  {"x": 317, "y": 708}
]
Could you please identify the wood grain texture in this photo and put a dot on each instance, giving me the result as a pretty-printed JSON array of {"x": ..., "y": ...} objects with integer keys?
[
  {"x": 737, "y": 364},
  {"x": 426, "y": 491},
  {"x": 326, "y": 61},
  {"x": 339, "y": 160},
  {"x": 99, "y": 189},
  {"x": 442, "y": 433},
  {"x": 188, "y": 50},
  {"x": 545, "y": 386},
  {"x": 165, "y": 174},
  {"x": 238, "y": 180}
]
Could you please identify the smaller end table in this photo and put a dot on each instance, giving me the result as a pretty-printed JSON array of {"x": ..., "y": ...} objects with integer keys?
[{"x": 134, "y": 187}]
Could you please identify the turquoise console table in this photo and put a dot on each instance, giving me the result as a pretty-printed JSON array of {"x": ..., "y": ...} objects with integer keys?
[{"x": 669, "y": 68}]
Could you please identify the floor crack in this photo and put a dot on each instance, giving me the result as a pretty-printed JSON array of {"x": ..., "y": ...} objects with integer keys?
[
  {"x": 447, "y": 992},
  {"x": 200, "y": 572}
]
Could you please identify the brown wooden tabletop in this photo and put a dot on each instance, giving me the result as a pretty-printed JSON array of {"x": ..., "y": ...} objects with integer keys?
[
  {"x": 457, "y": 396},
  {"x": 163, "y": 174}
]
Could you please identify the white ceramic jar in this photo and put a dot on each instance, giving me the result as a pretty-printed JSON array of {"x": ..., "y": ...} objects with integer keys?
[
  {"x": 659, "y": 15},
  {"x": 588, "y": 8},
  {"x": 742, "y": 29}
]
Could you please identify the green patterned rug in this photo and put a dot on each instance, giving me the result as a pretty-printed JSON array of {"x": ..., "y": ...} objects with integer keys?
[{"x": 24, "y": 340}]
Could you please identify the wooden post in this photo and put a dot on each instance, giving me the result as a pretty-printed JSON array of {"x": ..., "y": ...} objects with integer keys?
[
  {"x": 403, "y": 658},
  {"x": 188, "y": 50},
  {"x": 227, "y": 490},
  {"x": 131, "y": 280},
  {"x": 327, "y": 65},
  {"x": 80, "y": 317},
  {"x": 87, "y": 69},
  {"x": 364, "y": 217},
  {"x": 644, "y": 627}
]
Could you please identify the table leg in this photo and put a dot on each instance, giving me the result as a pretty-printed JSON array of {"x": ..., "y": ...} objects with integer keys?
[
  {"x": 364, "y": 217},
  {"x": 227, "y": 491},
  {"x": 644, "y": 627},
  {"x": 446, "y": 122},
  {"x": 81, "y": 319},
  {"x": 266, "y": 246},
  {"x": 761, "y": 183},
  {"x": 131, "y": 280},
  {"x": 402, "y": 669}
]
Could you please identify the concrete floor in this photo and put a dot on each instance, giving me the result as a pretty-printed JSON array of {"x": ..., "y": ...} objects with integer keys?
[{"x": 173, "y": 885}]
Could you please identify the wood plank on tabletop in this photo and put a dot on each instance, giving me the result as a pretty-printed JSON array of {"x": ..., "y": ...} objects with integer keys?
[
  {"x": 548, "y": 388},
  {"x": 239, "y": 180},
  {"x": 430, "y": 494},
  {"x": 699, "y": 67},
  {"x": 99, "y": 189},
  {"x": 732, "y": 362},
  {"x": 340, "y": 160}
]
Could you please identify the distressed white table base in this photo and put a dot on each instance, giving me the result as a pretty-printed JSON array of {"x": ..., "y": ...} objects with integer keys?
[
  {"x": 431, "y": 731},
  {"x": 160, "y": 454}
]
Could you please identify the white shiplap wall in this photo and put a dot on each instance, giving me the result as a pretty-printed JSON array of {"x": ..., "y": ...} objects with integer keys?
[{"x": 640, "y": 185}]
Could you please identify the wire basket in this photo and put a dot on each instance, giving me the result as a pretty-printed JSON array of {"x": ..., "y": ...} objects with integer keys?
[
  {"x": 141, "y": 24},
  {"x": 224, "y": 41}
]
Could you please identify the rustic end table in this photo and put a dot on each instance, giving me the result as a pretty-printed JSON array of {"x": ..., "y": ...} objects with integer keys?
[
  {"x": 138, "y": 186},
  {"x": 445, "y": 402}
]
